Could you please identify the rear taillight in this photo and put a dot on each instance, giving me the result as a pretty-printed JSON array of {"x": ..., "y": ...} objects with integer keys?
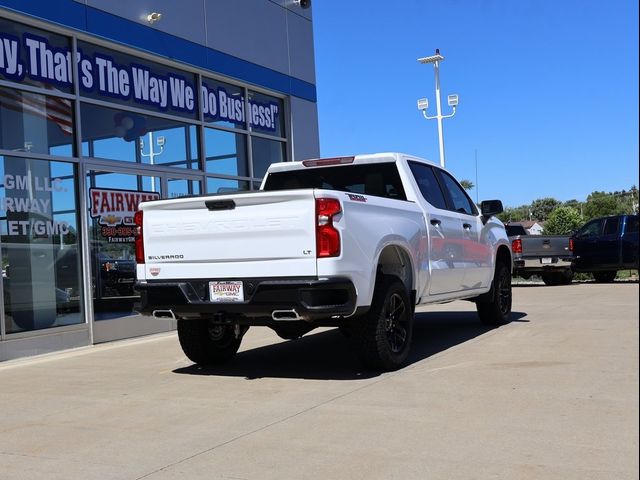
[
  {"x": 571, "y": 244},
  {"x": 327, "y": 237},
  {"x": 139, "y": 241},
  {"x": 516, "y": 246}
]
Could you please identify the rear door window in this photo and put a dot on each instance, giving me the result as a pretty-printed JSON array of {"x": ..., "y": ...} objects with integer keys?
[
  {"x": 428, "y": 184},
  {"x": 611, "y": 226},
  {"x": 513, "y": 230}
]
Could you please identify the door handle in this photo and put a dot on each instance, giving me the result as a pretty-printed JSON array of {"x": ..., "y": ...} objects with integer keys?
[
  {"x": 435, "y": 222},
  {"x": 466, "y": 226}
]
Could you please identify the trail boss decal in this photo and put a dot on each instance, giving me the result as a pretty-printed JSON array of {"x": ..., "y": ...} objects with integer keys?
[
  {"x": 356, "y": 198},
  {"x": 114, "y": 209}
]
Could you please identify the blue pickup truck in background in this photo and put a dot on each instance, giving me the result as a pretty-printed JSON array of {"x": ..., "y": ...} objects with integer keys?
[{"x": 605, "y": 245}]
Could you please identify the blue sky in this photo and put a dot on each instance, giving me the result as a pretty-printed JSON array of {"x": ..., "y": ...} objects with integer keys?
[{"x": 548, "y": 90}]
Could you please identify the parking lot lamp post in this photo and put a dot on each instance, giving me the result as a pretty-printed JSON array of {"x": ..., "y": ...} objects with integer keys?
[
  {"x": 160, "y": 141},
  {"x": 423, "y": 103}
]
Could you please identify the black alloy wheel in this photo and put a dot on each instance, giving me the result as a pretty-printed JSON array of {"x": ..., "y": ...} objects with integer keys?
[
  {"x": 382, "y": 337},
  {"x": 396, "y": 322},
  {"x": 504, "y": 289},
  {"x": 496, "y": 309}
]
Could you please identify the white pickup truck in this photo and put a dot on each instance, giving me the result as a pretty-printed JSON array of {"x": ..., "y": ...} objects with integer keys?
[{"x": 354, "y": 242}]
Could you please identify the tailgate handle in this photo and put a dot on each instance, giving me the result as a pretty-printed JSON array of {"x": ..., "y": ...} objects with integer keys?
[{"x": 220, "y": 204}]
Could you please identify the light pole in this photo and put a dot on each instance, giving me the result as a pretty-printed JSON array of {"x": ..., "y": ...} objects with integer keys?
[
  {"x": 423, "y": 103},
  {"x": 477, "y": 176},
  {"x": 160, "y": 141}
]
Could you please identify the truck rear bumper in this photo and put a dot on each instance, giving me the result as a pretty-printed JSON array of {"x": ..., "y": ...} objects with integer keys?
[
  {"x": 265, "y": 299},
  {"x": 535, "y": 266}
]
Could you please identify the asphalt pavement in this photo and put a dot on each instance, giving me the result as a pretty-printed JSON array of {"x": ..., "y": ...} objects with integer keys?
[{"x": 552, "y": 395}]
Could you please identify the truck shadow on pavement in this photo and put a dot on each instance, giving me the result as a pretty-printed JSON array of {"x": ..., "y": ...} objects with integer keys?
[
  {"x": 574, "y": 284},
  {"x": 327, "y": 355}
]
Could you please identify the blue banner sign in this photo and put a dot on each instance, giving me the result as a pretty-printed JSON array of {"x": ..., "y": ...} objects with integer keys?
[{"x": 103, "y": 73}]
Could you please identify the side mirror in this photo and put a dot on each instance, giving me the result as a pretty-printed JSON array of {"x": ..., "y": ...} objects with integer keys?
[{"x": 491, "y": 207}]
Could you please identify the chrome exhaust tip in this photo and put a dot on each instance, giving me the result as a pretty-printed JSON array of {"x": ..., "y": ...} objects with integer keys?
[
  {"x": 285, "y": 315},
  {"x": 163, "y": 314}
]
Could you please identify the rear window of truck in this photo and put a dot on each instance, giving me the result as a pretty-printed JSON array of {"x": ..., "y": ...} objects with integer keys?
[
  {"x": 513, "y": 230},
  {"x": 377, "y": 179}
]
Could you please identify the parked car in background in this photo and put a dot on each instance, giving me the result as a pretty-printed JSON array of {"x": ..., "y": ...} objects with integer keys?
[
  {"x": 605, "y": 245},
  {"x": 116, "y": 275},
  {"x": 546, "y": 255}
]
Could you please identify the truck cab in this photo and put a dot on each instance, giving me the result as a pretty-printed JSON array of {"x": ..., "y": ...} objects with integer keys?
[{"x": 605, "y": 245}]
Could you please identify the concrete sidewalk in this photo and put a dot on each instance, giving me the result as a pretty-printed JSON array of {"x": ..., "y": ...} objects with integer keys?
[{"x": 552, "y": 395}]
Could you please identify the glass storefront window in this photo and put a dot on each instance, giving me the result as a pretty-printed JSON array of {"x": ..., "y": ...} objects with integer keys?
[
  {"x": 133, "y": 137},
  {"x": 37, "y": 58},
  {"x": 226, "y": 153},
  {"x": 224, "y": 185},
  {"x": 44, "y": 268},
  {"x": 266, "y": 114},
  {"x": 120, "y": 78},
  {"x": 265, "y": 152},
  {"x": 30, "y": 122},
  {"x": 39, "y": 242},
  {"x": 113, "y": 199},
  {"x": 180, "y": 187},
  {"x": 223, "y": 104}
]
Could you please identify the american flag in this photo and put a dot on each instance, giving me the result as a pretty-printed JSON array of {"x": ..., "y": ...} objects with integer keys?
[{"x": 55, "y": 109}]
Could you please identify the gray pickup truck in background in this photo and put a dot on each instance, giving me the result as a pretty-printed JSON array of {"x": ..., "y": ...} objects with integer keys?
[{"x": 548, "y": 256}]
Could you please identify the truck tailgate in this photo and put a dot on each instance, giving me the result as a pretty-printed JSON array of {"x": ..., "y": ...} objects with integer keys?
[
  {"x": 545, "y": 246},
  {"x": 242, "y": 235}
]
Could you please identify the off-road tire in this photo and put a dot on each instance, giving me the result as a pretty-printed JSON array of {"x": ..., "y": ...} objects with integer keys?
[
  {"x": 605, "y": 277},
  {"x": 206, "y": 343},
  {"x": 550, "y": 279},
  {"x": 566, "y": 277},
  {"x": 382, "y": 337},
  {"x": 563, "y": 277},
  {"x": 497, "y": 309}
]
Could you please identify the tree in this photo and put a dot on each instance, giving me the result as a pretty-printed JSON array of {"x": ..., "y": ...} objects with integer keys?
[
  {"x": 467, "y": 184},
  {"x": 563, "y": 221},
  {"x": 542, "y": 208},
  {"x": 577, "y": 204},
  {"x": 629, "y": 199},
  {"x": 515, "y": 214},
  {"x": 601, "y": 204}
]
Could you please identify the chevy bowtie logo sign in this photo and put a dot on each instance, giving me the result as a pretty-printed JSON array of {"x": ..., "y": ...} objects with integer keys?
[{"x": 114, "y": 209}]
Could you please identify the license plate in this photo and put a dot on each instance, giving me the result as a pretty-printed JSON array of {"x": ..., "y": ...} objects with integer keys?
[
  {"x": 226, "y": 292},
  {"x": 546, "y": 260}
]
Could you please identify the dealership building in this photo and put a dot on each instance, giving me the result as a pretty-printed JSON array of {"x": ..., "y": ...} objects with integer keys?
[{"x": 104, "y": 104}]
